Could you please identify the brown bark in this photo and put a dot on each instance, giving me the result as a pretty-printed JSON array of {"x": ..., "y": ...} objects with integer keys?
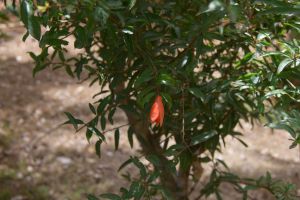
[{"x": 177, "y": 185}]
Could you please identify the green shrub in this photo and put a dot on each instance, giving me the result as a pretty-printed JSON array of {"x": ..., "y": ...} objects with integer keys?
[{"x": 213, "y": 62}]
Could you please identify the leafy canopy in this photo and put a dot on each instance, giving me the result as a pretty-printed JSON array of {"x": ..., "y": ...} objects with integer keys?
[{"x": 214, "y": 62}]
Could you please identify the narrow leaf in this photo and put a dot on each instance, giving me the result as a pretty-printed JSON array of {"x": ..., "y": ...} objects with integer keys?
[
  {"x": 286, "y": 62},
  {"x": 117, "y": 139},
  {"x": 98, "y": 148}
]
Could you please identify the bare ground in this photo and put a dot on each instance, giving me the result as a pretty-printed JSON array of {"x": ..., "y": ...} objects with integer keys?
[{"x": 40, "y": 161}]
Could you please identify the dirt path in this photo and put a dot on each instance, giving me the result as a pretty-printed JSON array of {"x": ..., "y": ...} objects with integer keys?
[{"x": 38, "y": 161}]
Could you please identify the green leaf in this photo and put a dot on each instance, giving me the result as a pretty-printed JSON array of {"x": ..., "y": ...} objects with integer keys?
[
  {"x": 136, "y": 190},
  {"x": 25, "y": 36},
  {"x": 167, "y": 98},
  {"x": 81, "y": 37},
  {"x": 79, "y": 66},
  {"x": 92, "y": 108},
  {"x": 284, "y": 127},
  {"x": 273, "y": 2},
  {"x": 100, "y": 15},
  {"x": 146, "y": 99},
  {"x": 117, "y": 139},
  {"x": 153, "y": 176},
  {"x": 69, "y": 71},
  {"x": 223, "y": 163},
  {"x": 202, "y": 137},
  {"x": 40, "y": 61},
  {"x": 153, "y": 159},
  {"x": 34, "y": 28},
  {"x": 164, "y": 191},
  {"x": 140, "y": 165},
  {"x": 72, "y": 120},
  {"x": 197, "y": 93},
  {"x": 103, "y": 122},
  {"x": 30, "y": 21},
  {"x": 131, "y": 4},
  {"x": 263, "y": 35},
  {"x": 26, "y": 11},
  {"x": 127, "y": 31},
  {"x": 234, "y": 11},
  {"x": 61, "y": 56},
  {"x": 293, "y": 145},
  {"x": 295, "y": 26},
  {"x": 91, "y": 197},
  {"x": 166, "y": 79},
  {"x": 127, "y": 162},
  {"x": 247, "y": 58},
  {"x": 145, "y": 76},
  {"x": 273, "y": 53},
  {"x": 242, "y": 142},
  {"x": 284, "y": 10},
  {"x": 97, "y": 132},
  {"x": 214, "y": 5},
  {"x": 186, "y": 160},
  {"x": 98, "y": 148},
  {"x": 89, "y": 134},
  {"x": 129, "y": 108},
  {"x": 173, "y": 150},
  {"x": 103, "y": 103},
  {"x": 33, "y": 56},
  {"x": 286, "y": 62},
  {"x": 39, "y": 67},
  {"x": 130, "y": 136},
  {"x": 110, "y": 115},
  {"x": 128, "y": 41},
  {"x": 278, "y": 93}
]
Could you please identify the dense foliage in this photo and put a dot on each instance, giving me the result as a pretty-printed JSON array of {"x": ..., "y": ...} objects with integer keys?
[{"x": 214, "y": 62}]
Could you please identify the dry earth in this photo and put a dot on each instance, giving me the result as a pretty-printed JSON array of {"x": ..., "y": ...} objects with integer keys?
[{"x": 40, "y": 161}]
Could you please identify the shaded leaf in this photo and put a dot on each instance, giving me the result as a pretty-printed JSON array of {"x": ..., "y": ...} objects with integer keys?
[
  {"x": 30, "y": 21},
  {"x": 98, "y": 148},
  {"x": 145, "y": 76},
  {"x": 89, "y": 134},
  {"x": 127, "y": 162},
  {"x": 284, "y": 127},
  {"x": 166, "y": 79},
  {"x": 197, "y": 93},
  {"x": 117, "y": 139},
  {"x": 130, "y": 136},
  {"x": 202, "y": 137},
  {"x": 286, "y": 62},
  {"x": 92, "y": 108},
  {"x": 72, "y": 120}
]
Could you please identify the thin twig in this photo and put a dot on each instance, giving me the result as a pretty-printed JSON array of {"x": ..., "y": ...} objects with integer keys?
[{"x": 112, "y": 129}]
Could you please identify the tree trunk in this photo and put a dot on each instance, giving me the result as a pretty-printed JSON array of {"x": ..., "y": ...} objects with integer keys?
[{"x": 176, "y": 185}]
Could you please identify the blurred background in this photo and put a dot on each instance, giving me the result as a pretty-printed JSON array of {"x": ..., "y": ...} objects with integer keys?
[{"x": 41, "y": 160}]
